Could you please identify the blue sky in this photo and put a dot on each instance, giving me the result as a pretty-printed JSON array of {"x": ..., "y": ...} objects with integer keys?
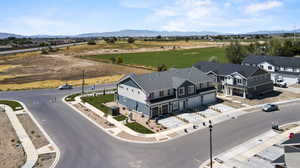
[{"x": 81, "y": 16}]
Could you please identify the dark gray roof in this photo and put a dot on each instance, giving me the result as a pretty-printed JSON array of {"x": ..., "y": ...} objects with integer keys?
[
  {"x": 172, "y": 78},
  {"x": 293, "y": 141},
  {"x": 274, "y": 60},
  {"x": 280, "y": 160},
  {"x": 227, "y": 69}
]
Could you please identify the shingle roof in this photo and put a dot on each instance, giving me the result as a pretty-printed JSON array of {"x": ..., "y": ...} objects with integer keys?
[
  {"x": 293, "y": 141},
  {"x": 274, "y": 60},
  {"x": 170, "y": 79},
  {"x": 227, "y": 69}
]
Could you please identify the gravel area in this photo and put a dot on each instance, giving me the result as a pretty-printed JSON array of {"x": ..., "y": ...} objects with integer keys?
[
  {"x": 35, "y": 134},
  {"x": 45, "y": 160},
  {"x": 12, "y": 154}
]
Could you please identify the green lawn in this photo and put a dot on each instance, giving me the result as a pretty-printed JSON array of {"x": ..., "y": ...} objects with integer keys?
[
  {"x": 13, "y": 104},
  {"x": 173, "y": 58},
  {"x": 139, "y": 128},
  {"x": 120, "y": 118},
  {"x": 97, "y": 101},
  {"x": 72, "y": 97}
]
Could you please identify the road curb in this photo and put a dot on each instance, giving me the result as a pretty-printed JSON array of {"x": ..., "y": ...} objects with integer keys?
[{"x": 57, "y": 156}]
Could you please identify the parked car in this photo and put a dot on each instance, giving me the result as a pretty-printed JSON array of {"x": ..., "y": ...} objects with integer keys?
[
  {"x": 280, "y": 83},
  {"x": 270, "y": 107},
  {"x": 65, "y": 87}
]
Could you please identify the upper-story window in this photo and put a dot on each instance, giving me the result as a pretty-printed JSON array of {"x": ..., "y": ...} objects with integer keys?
[
  {"x": 270, "y": 67},
  {"x": 169, "y": 92},
  {"x": 138, "y": 92},
  {"x": 181, "y": 91},
  {"x": 200, "y": 85},
  {"x": 151, "y": 96},
  {"x": 239, "y": 81},
  {"x": 121, "y": 87},
  {"x": 161, "y": 93},
  {"x": 191, "y": 89}
]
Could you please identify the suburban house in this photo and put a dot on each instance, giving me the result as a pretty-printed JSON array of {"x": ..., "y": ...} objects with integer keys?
[
  {"x": 286, "y": 68},
  {"x": 234, "y": 79},
  {"x": 172, "y": 91},
  {"x": 291, "y": 157}
]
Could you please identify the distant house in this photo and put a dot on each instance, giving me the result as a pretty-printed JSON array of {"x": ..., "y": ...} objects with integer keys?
[
  {"x": 291, "y": 157},
  {"x": 234, "y": 79},
  {"x": 287, "y": 68},
  {"x": 176, "y": 90}
]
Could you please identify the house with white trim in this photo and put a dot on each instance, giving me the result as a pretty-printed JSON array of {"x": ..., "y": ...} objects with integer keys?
[
  {"x": 235, "y": 79},
  {"x": 286, "y": 68},
  {"x": 172, "y": 91}
]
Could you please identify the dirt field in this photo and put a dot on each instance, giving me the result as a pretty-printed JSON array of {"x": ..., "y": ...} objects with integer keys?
[
  {"x": 66, "y": 65},
  {"x": 38, "y": 139},
  {"x": 11, "y": 156}
]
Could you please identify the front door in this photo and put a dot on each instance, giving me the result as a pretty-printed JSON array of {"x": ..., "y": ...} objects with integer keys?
[{"x": 165, "y": 109}]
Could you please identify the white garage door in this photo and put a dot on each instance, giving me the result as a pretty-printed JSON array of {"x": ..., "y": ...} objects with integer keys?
[
  {"x": 209, "y": 98},
  {"x": 194, "y": 102},
  {"x": 290, "y": 81}
]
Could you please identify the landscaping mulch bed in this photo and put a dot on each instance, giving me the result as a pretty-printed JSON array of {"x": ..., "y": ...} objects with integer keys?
[
  {"x": 134, "y": 138},
  {"x": 45, "y": 160},
  {"x": 35, "y": 134},
  {"x": 12, "y": 154},
  {"x": 98, "y": 119}
]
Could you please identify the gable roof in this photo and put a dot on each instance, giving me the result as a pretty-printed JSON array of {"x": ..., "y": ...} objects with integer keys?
[
  {"x": 228, "y": 69},
  {"x": 274, "y": 60},
  {"x": 293, "y": 141},
  {"x": 172, "y": 78}
]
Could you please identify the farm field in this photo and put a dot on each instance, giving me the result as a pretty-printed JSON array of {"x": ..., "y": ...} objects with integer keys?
[{"x": 172, "y": 58}]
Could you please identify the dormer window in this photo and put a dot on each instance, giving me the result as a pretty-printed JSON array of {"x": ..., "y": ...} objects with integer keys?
[
  {"x": 161, "y": 93},
  {"x": 169, "y": 92},
  {"x": 191, "y": 89},
  {"x": 181, "y": 91},
  {"x": 151, "y": 96}
]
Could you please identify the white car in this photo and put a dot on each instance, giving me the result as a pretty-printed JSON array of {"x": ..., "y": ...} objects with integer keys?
[
  {"x": 280, "y": 83},
  {"x": 65, "y": 87}
]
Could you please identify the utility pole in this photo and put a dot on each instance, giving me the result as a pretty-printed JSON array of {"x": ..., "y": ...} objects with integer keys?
[
  {"x": 82, "y": 86},
  {"x": 295, "y": 35},
  {"x": 210, "y": 142}
]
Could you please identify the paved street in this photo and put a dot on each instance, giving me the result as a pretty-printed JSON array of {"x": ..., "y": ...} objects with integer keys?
[{"x": 82, "y": 144}]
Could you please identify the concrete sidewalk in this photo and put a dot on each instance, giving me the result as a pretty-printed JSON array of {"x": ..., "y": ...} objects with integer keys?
[
  {"x": 165, "y": 135},
  {"x": 241, "y": 155}
]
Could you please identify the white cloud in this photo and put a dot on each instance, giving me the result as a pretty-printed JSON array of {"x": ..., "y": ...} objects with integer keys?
[
  {"x": 258, "y": 7},
  {"x": 137, "y": 3}
]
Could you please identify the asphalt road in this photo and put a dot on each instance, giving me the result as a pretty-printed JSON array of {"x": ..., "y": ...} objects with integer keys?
[
  {"x": 83, "y": 145},
  {"x": 38, "y": 48}
]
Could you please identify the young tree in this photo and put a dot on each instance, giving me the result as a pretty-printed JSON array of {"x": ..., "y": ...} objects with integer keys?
[
  {"x": 113, "y": 60},
  {"x": 236, "y": 52},
  {"x": 119, "y": 60},
  {"x": 162, "y": 67},
  {"x": 213, "y": 59},
  {"x": 92, "y": 42},
  {"x": 130, "y": 40}
]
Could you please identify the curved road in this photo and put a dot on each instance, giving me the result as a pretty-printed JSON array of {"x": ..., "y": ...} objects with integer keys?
[{"x": 83, "y": 145}]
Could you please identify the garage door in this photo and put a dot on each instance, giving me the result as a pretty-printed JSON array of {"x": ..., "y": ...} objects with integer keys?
[
  {"x": 290, "y": 81},
  {"x": 194, "y": 102},
  {"x": 209, "y": 98}
]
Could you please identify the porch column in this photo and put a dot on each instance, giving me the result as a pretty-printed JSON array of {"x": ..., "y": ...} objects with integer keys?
[{"x": 244, "y": 94}]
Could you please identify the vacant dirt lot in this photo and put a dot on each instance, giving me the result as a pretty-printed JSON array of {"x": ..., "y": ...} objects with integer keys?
[{"x": 11, "y": 152}]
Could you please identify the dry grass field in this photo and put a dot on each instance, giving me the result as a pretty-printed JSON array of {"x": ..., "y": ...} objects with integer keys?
[{"x": 36, "y": 70}]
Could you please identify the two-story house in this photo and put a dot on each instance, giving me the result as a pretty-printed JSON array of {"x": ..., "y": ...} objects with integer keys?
[
  {"x": 287, "y": 68},
  {"x": 235, "y": 79},
  {"x": 291, "y": 156},
  {"x": 172, "y": 91}
]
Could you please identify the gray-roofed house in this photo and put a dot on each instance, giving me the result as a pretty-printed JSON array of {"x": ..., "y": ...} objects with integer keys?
[
  {"x": 287, "y": 68},
  {"x": 172, "y": 91},
  {"x": 235, "y": 79},
  {"x": 291, "y": 157}
]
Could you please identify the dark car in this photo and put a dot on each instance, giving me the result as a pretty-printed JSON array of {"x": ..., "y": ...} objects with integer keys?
[
  {"x": 270, "y": 107},
  {"x": 65, "y": 87}
]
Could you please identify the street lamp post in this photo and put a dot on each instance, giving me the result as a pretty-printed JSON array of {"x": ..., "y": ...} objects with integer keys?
[{"x": 210, "y": 142}]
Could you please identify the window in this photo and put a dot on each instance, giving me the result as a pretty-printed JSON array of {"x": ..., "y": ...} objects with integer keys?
[
  {"x": 200, "y": 85},
  {"x": 191, "y": 89},
  {"x": 161, "y": 93},
  {"x": 175, "y": 106},
  {"x": 270, "y": 67},
  {"x": 239, "y": 81},
  {"x": 181, "y": 91},
  {"x": 151, "y": 96},
  {"x": 138, "y": 92},
  {"x": 169, "y": 92},
  {"x": 121, "y": 87}
]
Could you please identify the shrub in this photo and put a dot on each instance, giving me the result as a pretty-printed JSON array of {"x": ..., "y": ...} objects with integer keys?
[
  {"x": 119, "y": 60},
  {"x": 162, "y": 67}
]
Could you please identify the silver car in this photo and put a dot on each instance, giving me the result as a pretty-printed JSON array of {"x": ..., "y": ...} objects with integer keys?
[{"x": 270, "y": 107}]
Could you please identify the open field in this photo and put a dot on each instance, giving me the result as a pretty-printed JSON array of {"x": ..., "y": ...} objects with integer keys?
[
  {"x": 172, "y": 58},
  {"x": 36, "y": 70}
]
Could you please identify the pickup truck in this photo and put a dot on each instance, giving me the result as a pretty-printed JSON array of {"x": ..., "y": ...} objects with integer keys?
[{"x": 280, "y": 83}]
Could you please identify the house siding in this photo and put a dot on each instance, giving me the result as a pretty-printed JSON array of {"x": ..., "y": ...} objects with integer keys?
[{"x": 133, "y": 105}]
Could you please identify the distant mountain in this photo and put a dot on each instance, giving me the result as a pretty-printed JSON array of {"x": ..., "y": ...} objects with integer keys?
[
  {"x": 275, "y": 32},
  {"x": 6, "y": 35},
  {"x": 146, "y": 33}
]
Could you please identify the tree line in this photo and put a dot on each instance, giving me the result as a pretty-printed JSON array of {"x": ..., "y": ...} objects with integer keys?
[{"x": 236, "y": 52}]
